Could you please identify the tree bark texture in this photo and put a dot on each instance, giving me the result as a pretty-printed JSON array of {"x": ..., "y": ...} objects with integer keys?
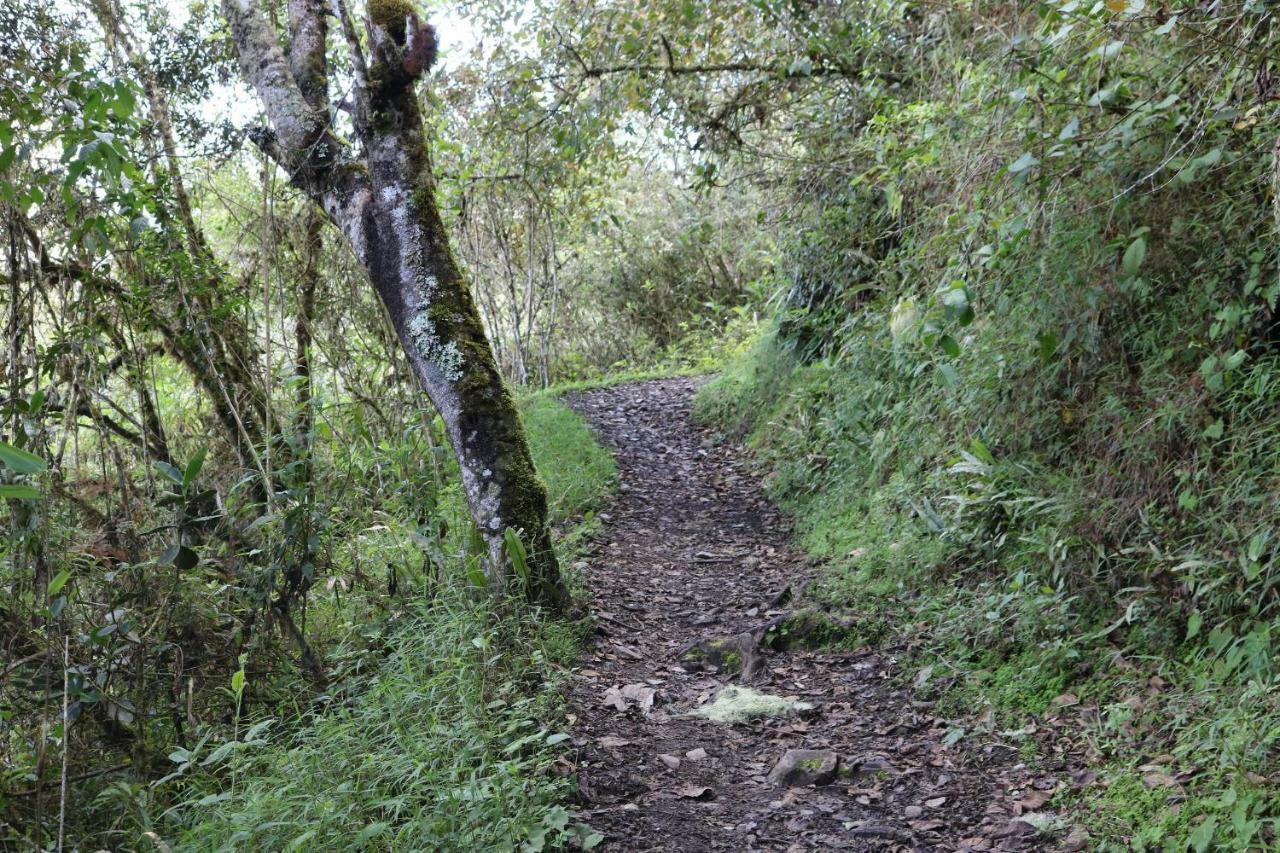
[{"x": 380, "y": 192}]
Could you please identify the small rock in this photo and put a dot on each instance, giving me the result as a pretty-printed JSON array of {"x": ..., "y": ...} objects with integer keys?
[
  {"x": 671, "y": 761},
  {"x": 1077, "y": 839},
  {"x": 913, "y": 812},
  {"x": 799, "y": 767},
  {"x": 870, "y": 767},
  {"x": 696, "y": 754}
]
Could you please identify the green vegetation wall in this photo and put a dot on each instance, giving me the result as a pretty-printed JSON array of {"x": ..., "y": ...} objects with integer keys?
[{"x": 1023, "y": 383}]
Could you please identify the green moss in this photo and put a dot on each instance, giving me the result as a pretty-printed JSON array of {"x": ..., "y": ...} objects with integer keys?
[{"x": 391, "y": 15}]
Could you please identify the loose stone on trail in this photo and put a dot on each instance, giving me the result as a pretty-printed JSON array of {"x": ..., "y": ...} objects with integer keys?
[{"x": 799, "y": 767}]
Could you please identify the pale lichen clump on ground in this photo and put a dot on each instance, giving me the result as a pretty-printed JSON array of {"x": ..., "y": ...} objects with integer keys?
[{"x": 742, "y": 704}]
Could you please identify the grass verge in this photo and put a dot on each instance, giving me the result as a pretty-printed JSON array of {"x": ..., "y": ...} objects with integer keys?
[{"x": 438, "y": 732}]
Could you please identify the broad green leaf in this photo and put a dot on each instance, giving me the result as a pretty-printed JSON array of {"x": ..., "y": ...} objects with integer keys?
[
  {"x": 59, "y": 581},
  {"x": 170, "y": 471},
  {"x": 20, "y": 461},
  {"x": 193, "y": 467},
  {"x": 1023, "y": 163},
  {"x": 1202, "y": 836},
  {"x": 1193, "y": 625},
  {"x": 1133, "y": 257},
  {"x": 371, "y": 831},
  {"x": 22, "y": 493},
  {"x": 949, "y": 345},
  {"x": 1048, "y": 345}
]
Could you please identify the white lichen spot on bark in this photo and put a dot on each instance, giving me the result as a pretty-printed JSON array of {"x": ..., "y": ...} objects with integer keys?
[
  {"x": 445, "y": 356},
  {"x": 422, "y": 286}
]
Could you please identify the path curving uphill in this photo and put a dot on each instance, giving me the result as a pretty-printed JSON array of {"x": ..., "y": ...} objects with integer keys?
[{"x": 691, "y": 568}]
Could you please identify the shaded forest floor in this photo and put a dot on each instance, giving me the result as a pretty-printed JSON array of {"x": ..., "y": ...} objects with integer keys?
[{"x": 694, "y": 587}]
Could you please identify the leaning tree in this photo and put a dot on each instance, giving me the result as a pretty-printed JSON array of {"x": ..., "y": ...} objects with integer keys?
[{"x": 378, "y": 188}]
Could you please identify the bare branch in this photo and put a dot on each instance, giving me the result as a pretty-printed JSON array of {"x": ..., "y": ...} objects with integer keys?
[
  {"x": 297, "y": 126},
  {"x": 359, "y": 65}
]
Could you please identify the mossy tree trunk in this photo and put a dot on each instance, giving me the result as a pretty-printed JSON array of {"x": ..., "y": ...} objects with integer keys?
[{"x": 381, "y": 193}]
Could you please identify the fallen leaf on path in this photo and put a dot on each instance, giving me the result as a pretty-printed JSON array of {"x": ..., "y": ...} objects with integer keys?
[
  {"x": 696, "y": 792},
  {"x": 631, "y": 694},
  {"x": 613, "y": 742},
  {"x": 1159, "y": 780},
  {"x": 1031, "y": 802}
]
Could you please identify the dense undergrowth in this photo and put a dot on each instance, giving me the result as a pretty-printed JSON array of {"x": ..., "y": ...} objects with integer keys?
[
  {"x": 435, "y": 727},
  {"x": 1021, "y": 391},
  {"x": 440, "y": 734},
  {"x": 940, "y": 522}
]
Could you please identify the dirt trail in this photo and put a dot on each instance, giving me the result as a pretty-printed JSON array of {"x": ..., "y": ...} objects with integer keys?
[{"x": 691, "y": 551}]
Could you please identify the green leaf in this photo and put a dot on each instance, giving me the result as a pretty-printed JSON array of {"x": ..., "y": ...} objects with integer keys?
[
  {"x": 1193, "y": 625},
  {"x": 59, "y": 581},
  {"x": 22, "y": 493},
  {"x": 237, "y": 682},
  {"x": 516, "y": 553},
  {"x": 1048, "y": 345},
  {"x": 20, "y": 461},
  {"x": 170, "y": 471},
  {"x": 1133, "y": 257},
  {"x": 1202, "y": 836},
  {"x": 371, "y": 831},
  {"x": 1258, "y": 545},
  {"x": 948, "y": 375},
  {"x": 949, "y": 345},
  {"x": 1214, "y": 430},
  {"x": 475, "y": 573},
  {"x": 193, "y": 467},
  {"x": 981, "y": 451},
  {"x": 1023, "y": 163}
]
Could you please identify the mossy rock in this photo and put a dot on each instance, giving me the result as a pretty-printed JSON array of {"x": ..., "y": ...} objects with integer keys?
[
  {"x": 729, "y": 655},
  {"x": 809, "y": 629}
]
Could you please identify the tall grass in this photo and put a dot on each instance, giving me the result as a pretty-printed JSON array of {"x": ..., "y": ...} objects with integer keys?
[{"x": 440, "y": 730}]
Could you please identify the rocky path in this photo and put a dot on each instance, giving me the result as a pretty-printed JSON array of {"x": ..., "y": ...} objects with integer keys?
[{"x": 691, "y": 553}]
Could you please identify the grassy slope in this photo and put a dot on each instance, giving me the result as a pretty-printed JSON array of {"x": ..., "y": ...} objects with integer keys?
[
  {"x": 441, "y": 734},
  {"x": 981, "y": 547}
]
